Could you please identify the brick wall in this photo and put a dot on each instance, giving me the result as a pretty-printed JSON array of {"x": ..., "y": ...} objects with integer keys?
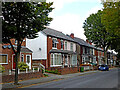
[
  {"x": 9, "y": 52},
  {"x": 63, "y": 71},
  {"x": 43, "y": 62},
  {"x": 22, "y": 76},
  {"x": 49, "y": 47}
]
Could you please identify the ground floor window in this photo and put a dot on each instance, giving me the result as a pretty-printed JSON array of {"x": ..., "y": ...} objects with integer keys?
[
  {"x": 22, "y": 58},
  {"x": 100, "y": 61},
  {"x": 86, "y": 59},
  {"x": 83, "y": 60},
  {"x": 94, "y": 60},
  {"x": 3, "y": 59},
  {"x": 56, "y": 59},
  {"x": 66, "y": 60},
  {"x": 74, "y": 59}
]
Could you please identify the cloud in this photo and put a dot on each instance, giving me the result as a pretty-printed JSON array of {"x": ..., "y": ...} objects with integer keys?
[
  {"x": 59, "y": 4},
  {"x": 92, "y": 11},
  {"x": 68, "y": 23}
]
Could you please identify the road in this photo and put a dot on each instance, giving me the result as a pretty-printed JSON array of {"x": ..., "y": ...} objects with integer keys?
[{"x": 103, "y": 79}]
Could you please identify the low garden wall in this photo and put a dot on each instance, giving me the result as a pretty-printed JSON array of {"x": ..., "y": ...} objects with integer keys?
[
  {"x": 63, "y": 71},
  {"x": 22, "y": 76},
  {"x": 68, "y": 70}
]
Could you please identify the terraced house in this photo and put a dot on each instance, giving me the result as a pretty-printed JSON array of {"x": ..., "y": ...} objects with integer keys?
[
  {"x": 53, "y": 49},
  {"x": 85, "y": 52},
  {"x": 7, "y": 56}
]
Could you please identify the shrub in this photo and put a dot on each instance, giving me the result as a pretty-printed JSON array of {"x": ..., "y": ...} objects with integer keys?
[
  {"x": 52, "y": 71},
  {"x": 22, "y": 66},
  {"x": 2, "y": 69},
  {"x": 46, "y": 75}
]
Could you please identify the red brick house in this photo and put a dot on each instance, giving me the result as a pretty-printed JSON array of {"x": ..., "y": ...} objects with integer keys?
[
  {"x": 53, "y": 49},
  {"x": 7, "y": 55}
]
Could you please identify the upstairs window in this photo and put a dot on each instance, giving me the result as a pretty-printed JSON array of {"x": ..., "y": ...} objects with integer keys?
[
  {"x": 65, "y": 45},
  {"x": 54, "y": 43},
  {"x": 61, "y": 44},
  {"x": 71, "y": 46},
  {"x": 83, "y": 50}
]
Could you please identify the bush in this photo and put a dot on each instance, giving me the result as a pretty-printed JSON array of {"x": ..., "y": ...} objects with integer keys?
[
  {"x": 2, "y": 69},
  {"x": 52, "y": 71},
  {"x": 45, "y": 75},
  {"x": 22, "y": 66}
]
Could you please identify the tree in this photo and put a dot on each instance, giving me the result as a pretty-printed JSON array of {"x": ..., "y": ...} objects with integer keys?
[
  {"x": 111, "y": 19},
  {"x": 96, "y": 32},
  {"x": 23, "y": 20}
]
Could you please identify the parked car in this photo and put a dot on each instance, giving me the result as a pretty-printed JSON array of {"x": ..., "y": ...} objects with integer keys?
[{"x": 103, "y": 68}]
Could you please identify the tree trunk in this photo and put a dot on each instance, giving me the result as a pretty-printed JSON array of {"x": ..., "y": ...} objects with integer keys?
[
  {"x": 105, "y": 57},
  {"x": 16, "y": 59},
  {"x": 16, "y": 69}
]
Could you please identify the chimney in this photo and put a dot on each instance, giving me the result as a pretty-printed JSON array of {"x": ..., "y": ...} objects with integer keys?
[
  {"x": 72, "y": 35},
  {"x": 88, "y": 41}
]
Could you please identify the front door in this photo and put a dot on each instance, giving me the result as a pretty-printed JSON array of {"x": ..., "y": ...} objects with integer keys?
[
  {"x": 13, "y": 62},
  {"x": 28, "y": 60}
]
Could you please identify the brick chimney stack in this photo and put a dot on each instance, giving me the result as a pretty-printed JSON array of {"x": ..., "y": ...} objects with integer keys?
[
  {"x": 72, "y": 35},
  {"x": 88, "y": 42}
]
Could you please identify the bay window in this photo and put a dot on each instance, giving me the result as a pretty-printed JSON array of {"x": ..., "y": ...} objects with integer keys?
[
  {"x": 74, "y": 59},
  {"x": 56, "y": 59}
]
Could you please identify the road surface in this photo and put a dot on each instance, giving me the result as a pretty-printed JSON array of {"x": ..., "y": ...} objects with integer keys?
[{"x": 103, "y": 79}]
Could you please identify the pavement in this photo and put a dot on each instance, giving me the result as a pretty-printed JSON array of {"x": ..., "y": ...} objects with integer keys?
[{"x": 50, "y": 78}]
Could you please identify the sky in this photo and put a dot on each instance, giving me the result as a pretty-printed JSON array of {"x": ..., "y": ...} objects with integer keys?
[{"x": 69, "y": 15}]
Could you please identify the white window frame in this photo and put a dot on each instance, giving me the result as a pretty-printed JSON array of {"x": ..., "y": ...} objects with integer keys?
[
  {"x": 21, "y": 57},
  {"x": 74, "y": 58},
  {"x": 67, "y": 60},
  {"x": 30, "y": 60},
  {"x": 7, "y": 58},
  {"x": 83, "y": 50},
  {"x": 54, "y": 43},
  {"x": 71, "y": 45},
  {"x": 54, "y": 60},
  {"x": 65, "y": 45}
]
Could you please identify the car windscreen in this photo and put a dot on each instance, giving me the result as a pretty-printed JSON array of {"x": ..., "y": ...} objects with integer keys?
[{"x": 102, "y": 65}]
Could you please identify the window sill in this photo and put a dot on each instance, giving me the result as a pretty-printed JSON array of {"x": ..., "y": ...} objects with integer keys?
[
  {"x": 3, "y": 63},
  {"x": 54, "y": 48},
  {"x": 55, "y": 65}
]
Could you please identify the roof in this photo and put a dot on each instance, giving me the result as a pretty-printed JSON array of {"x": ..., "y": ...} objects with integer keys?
[
  {"x": 26, "y": 50},
  {"x": 82, "y": 42},
  {"x": 99, "y": 48},
  {"x": 55, "y": 33},
  {"x": 61, "y": 51}
]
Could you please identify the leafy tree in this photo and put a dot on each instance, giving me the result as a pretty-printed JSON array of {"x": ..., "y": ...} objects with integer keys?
[
  {"x": 96, "y": 32},
  {"x": 23, "y": 20},
  {"x": 111, "y": 20},
  {"x": 111, "y": 17}
]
